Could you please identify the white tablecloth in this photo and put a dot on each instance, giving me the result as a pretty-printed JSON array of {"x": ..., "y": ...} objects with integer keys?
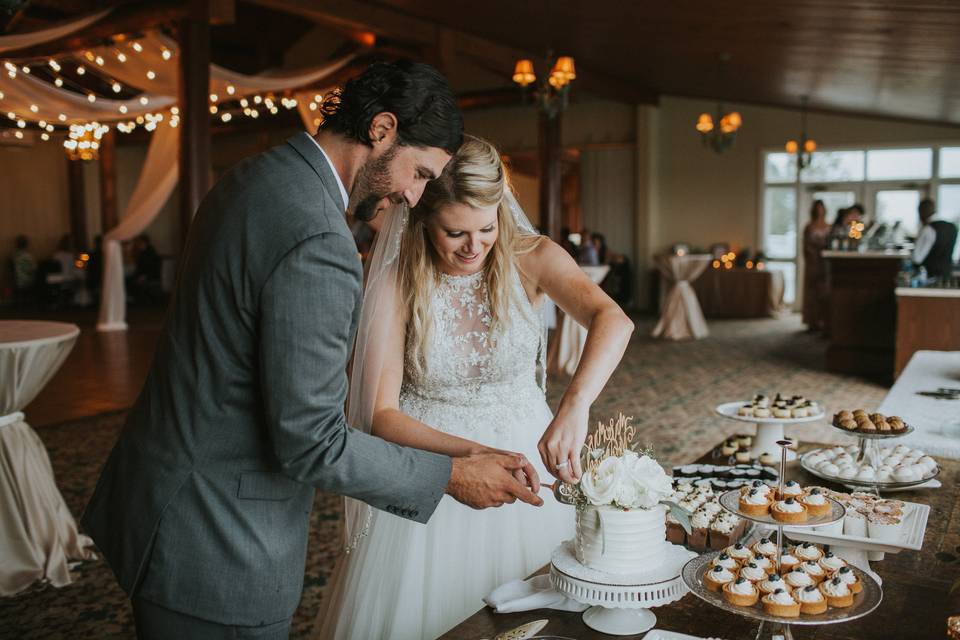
[
  {"x": 927, "y": 371},
  {"x": 572, "y": 336},
  {"x": 681, "y": 317},
  {"x": 38, "y": 535}
]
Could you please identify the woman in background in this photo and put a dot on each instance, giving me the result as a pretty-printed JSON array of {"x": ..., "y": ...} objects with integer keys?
[{"x": 815, "y": 236}]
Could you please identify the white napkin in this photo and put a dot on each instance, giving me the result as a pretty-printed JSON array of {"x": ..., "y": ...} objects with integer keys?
[{"x": 535, "y": 593}]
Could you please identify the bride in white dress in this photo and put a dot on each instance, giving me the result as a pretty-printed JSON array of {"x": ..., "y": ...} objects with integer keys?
[{"x": 450, "y": 357}]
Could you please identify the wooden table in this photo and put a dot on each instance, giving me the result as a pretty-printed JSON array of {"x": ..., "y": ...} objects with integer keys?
[
  {"x": 740, "y": 293},
  {"x": 927, "y": 319},
  {"x": 915, "y": 585}
]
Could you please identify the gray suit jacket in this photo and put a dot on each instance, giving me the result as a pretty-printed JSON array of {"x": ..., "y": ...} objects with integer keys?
[{"x": 204, "y": 503}]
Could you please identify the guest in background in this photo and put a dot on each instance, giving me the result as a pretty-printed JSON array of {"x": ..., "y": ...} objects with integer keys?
[
  {"x": 567, "y": 243},
  {"x": 95, "y": 268},
  {"x": 845, "y": 217},
  {"x": 600, "y": 246},
  {"x": 814, "y": 278},
  {"x": 24, "y": 271},
  {"x": 587, "y": 255},
  {"x": 935, "y": 242},
  {"x": 66, "y": 254},
  {"x": 145, "y": 281}
]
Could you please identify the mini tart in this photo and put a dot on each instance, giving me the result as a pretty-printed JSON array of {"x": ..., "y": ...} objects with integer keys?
[
  {"x": 782, "y": 609},
  {"x": 753, "y": 573},
  {"x": 791, "y": 489},
  {"x": 788, "y": 562},
  {"x": 798, "y": 578},
  {"x": 783, "y": 511},
  {"x": 765, "y": 547},
  {"x": 725, "y": 561},
  {"x": 816, "y": 503},
  {"x": 807, "y": 551},
  {"x": 714, "y": 580},
  {"x": 772, "y": 583},
  {"x": 812, "y": 601},
  {"x": 763, "y": 562},
  {"x": 837, "y": 593},
  {"x": 740, "y": 599},
  {"x": 739, "y": 552},
  {"x": 831, "y": 563},
  {"x": 750, "y": 503},
  {"x": 850, "y": 578},
  {"x": 813, "y": 569}
]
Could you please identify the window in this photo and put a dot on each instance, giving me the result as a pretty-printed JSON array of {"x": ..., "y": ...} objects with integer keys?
[
  {"x": 950, "y": 162},
  {"x": 948, "y": 206},
  {"x": 834, "y": 166},
  {"x": 899, "y": 207},
  {"x": 780, "y": 167},
  {"x": 900, "y": 164},
  {"x": 780, "y": 222}
]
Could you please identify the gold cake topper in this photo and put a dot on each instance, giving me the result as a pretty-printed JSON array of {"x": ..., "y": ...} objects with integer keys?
[{"x": 609, "y": 440}]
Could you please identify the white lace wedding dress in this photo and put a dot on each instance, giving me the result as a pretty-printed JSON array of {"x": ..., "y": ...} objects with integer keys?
[{"x": 408, "y": 581}]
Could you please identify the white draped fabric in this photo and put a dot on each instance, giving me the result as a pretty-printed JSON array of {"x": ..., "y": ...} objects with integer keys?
[
  {"x": 20, "y": 40},
  {"x": 573, "y": 337},
  {"x": 38, "y": 535},
  {"x": 157, "y": 180},
  {"x": 681, "y": 317}
]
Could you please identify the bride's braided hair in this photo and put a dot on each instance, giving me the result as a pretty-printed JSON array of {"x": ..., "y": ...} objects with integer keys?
[{"x": 476, "y": 177}]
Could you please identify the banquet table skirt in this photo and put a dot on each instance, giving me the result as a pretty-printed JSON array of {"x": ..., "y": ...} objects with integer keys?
[
  {"x": 571, "y": 337},
  {"x": 740, "y": 293},
  {"x": 38, "y": 534},
  {"x": 681, "y": 317}
]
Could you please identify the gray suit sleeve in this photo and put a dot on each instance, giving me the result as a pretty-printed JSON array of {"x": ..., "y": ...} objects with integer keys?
[{"x": 306, "y": 324}]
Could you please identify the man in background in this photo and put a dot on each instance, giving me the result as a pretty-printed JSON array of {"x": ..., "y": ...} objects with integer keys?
[{"x": 934, "y": 248}]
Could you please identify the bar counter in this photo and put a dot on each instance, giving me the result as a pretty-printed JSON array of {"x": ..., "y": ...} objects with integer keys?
[{"x": 927, "y": 319}]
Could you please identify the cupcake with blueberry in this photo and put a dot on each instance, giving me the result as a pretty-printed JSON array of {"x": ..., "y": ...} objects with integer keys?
[
  {"x": 753, "y": 573},
  {"x": 788, "y": 562},
  {"x": 797, "y": 578},
  {"x": 772, "y": 583},
  {"x": 807, "y": 551},
  {"x": 831, "y": 562},
  {"x": 816, "y": 503},
  {"x": 837, "y": 593},
  {"x": 739, "y": 552},
  {"x": 781, "y": 603},
  {"x": 755, "y": 503},
  {"x": 724, "y": 560},
  {"x": 813, "y": 569},
  {"x": 790, "y": 489},
  {"x": 763, "y": 562},
  {"x": 811, "y": 599},
  {"x": 788, "y": 510},
  {"x": 765, "y": 547},
  {"x": 851, "y": 579},
  {"x": 741, "y": 592},
  {"x": 717, "y": 576}
]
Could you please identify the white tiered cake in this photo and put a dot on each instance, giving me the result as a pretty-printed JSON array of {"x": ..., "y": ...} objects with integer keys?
[{"x": 623, "y": 528}]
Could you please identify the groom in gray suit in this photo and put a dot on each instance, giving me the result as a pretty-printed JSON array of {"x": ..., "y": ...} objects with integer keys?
[{"x": 203, "y": 508}]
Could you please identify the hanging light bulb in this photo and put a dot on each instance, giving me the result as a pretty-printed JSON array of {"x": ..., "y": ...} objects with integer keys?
[
  {"x": 226, "y": 117},
  {"x": 166, "y": 54},
  {"x": 116, "y": 87},
  {"x": 58, "y": 81},
  {"x": 137, "y": 47},
  {"x": 121, "y": 56},
  {"x": 231, "y": 89},
  {"x": 144, "y": 100},
  {"x": 151, "y": 75},
  {"x": 54, "y": 64},
  {"x": 81, "y": 70},
  {"x": 91, "y": 98}
]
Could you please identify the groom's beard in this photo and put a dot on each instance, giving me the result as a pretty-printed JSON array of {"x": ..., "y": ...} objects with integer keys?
[{"x": 373, "y": 185}]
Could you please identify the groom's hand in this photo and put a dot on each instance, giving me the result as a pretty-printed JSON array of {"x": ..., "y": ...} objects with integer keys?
[{"x": 488, "y": 480}]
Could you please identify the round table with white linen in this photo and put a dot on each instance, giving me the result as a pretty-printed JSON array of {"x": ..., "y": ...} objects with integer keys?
[
  {"x": 681, "y": 317},
  {"x": 572, "y": 336},
  {"x": 38, "y": 535}
]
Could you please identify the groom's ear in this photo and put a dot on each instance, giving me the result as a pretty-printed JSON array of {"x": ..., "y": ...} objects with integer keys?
[{"x": 383, "y": 129}]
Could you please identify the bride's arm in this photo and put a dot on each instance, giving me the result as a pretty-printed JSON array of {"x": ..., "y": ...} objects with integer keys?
[
  {"x": 554, "y": 272},
  {"x": 392, "y": 424}
]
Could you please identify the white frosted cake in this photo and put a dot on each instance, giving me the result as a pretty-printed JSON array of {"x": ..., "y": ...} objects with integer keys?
[
  {"x": 612, "y": 540},
  {"x": 622, "y": 528}
]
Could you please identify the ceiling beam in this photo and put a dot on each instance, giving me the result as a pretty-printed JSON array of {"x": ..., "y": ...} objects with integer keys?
[
  {"x": 124, "y": 19},
  {"x": 353, "y": 15}
]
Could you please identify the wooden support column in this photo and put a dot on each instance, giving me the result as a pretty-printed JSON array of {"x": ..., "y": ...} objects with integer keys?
[
  {"x": 109, "y": 217},
  {"x": 194, "y": 107},
  {"x": 551, "y": 173},
  {"x": 78, "y": 203}
]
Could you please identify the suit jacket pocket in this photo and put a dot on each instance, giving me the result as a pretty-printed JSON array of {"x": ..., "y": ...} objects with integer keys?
[{"x": 263, "y": 485}]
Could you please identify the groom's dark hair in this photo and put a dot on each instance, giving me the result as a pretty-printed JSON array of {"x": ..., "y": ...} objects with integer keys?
[{"x": 416, "y": 93}]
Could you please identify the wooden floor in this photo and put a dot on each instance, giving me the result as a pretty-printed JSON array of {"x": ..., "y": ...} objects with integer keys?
[{"x": 103, "y": 373}]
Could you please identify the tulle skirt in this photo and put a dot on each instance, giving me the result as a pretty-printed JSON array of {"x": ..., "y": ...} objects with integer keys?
[{"x": 409, "y": 581}]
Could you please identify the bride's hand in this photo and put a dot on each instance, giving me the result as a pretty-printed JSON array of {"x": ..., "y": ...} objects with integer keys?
[
  {"x": 562, "y": 441},
  {"x": 531, "y": 480}
]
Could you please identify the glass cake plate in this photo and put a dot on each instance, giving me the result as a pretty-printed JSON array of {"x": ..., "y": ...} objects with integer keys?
[{"x": 731, "y": 502}]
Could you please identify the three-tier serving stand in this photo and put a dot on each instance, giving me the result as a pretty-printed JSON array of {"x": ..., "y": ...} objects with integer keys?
[{"x": 769, "y": 430}]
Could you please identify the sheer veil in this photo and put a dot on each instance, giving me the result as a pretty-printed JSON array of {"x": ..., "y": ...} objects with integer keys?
[{"x": 382, "y": 298}]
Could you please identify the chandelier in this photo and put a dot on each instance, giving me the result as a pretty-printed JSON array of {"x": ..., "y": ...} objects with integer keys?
[
  {"x": 805, "y": 147},
  {"x": 553, "y": 90},
  {"x": 83, "y": 141},
  {"x": 720, "y": 132}
]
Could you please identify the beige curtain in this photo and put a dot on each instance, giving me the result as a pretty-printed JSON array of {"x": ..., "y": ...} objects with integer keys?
[{"x": 681, "y": 318}]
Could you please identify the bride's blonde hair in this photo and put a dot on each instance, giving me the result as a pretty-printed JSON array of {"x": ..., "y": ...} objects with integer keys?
[{"x": 476, "y": 177}]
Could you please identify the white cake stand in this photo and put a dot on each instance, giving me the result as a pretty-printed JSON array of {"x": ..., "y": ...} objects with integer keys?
[
  {"x": 769, "y": 430},
  {"x": 620, "y": 603}
]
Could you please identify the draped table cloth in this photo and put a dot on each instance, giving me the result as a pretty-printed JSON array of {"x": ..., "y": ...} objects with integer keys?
[
  {"x": 681, "y": 317},
  {"x": 38, "y": 535},
  {"x": 572, "y": 337},
  {"x": 740, "y": 293}
]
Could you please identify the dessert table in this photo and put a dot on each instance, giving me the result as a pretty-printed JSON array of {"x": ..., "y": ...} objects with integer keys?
[
  {"x": 740, "y": 293},
  {"x": 38, "y": 535},
  {"x": 915, "y": 603},
  {"x": 681, "y": 317}
]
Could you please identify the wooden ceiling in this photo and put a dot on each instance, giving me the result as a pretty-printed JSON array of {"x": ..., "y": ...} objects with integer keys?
[{"x": 893, "y": 58}]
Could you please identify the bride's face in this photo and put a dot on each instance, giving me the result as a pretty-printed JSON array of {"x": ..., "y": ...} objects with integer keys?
[{"x": 462, "y": 237}]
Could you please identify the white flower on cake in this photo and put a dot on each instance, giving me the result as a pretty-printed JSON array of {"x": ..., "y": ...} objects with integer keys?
[{"x": 630, "y": 481}]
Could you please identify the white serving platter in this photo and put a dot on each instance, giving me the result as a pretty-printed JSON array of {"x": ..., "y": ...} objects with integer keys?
[{"x": 914, "y": 526}]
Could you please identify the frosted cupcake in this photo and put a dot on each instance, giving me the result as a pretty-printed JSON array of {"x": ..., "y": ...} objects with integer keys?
[
  {"x": 813, "y": 569},
  {"x": 798, "y": 578},
  {"x": 831, "y": 563},
  {"x": 772, "y": 583},
  {"x": 739, "y": 552},
  {"x": 789, "y": 511},
  {"x": 741, "y": 592},
  {"x": 816, "y": 503},
  {"x": 788, "y": 562},
  {"x": 837, "y": 593},
  {"x": 716, "y": 577},
  {"x": 763, "y": 562},
  {"x": 781, "y": 603},
  {"x": 724, "y": 560},
  {"x": 811, "y": 599},
  {"x": 847, "y": 575},
  {"x": 791, "y": 489},
  {"x": 765, "y": 547},
  {"x": 755, "y": 503},
  {"x": 753, "y": 573},
  {"x": 807, "y": 551}
]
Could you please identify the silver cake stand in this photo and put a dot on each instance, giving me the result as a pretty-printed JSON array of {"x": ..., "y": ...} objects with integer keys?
[
  {"x": 769, "y": 430},
  {"x": 620, "y": 604}
]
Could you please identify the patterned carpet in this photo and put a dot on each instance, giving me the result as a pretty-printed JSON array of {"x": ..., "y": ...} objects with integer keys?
[{"x": 670, "y": 388}]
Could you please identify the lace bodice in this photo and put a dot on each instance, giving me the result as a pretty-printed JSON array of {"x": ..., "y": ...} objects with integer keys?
[{"x": 475, "y": 377}]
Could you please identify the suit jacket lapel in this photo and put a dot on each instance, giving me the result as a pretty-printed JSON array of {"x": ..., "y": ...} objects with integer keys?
[{"x": 310, "y": 152}]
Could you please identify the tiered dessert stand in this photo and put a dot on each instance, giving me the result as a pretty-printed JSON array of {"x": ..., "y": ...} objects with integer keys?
[
  {"x": 777, "y": 627},
  {"x": 620, "y": 604},
  {"x": 869, "y": 450},
  {"x": 769, "y": 430}
]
